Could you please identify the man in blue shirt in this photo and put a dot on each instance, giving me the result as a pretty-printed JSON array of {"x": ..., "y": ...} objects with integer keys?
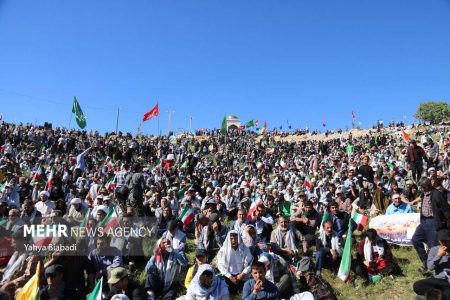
[
  {"x": 259, "y": 288},
  {"x": 398, "y": 206}
]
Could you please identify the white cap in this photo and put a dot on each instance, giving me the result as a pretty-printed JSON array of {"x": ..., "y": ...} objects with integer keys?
[
  {"x": 103, "y": 208},
  {"x": 120, "y": 297},
  {"x": 76, "y": 201},
  {"x": 44, "y": 193}
]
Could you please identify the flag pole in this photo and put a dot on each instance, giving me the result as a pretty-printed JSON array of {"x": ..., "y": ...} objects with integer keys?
[
  {"x": 159, "y": 132},
  {"x": 70, "y": 119},
  {"x": 117, "y": 120}
]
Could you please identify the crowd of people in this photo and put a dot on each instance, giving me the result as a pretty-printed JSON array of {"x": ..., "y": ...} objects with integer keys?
[{"x": 265, "y": 216}]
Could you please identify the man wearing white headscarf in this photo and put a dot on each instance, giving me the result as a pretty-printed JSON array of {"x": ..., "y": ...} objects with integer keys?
[
  {"x": 234, "y": 261},
  {"x": 285, "y": 239},
  {"x": 206, "y": 286}
]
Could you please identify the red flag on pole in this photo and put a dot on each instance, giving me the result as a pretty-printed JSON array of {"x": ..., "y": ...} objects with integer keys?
[
  {"x": 405, "y": 135},
  {"x": 353, "y": 115},
  {"x": 151, "y": 113}
]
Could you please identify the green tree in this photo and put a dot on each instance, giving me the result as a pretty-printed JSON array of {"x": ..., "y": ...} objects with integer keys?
[{"x": 433, "y": 111}]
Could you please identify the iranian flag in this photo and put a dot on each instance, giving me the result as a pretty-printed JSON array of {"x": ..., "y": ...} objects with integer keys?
[
  {"x": 110, "y": 184},
  {"x": 37, "y": 174},
  {"x": 85, "y": 219},
  {"x": 360, "y": 219},
  {"x": 253, "y": 208},
  {"x": 156, "y": 244},
  {"x": 110, "y": 221},
  {"x": 307, "y": 182},
  {"x": 283, "y": 164},
  {"x": 344, "y": 268},
  {"x": 110, "y": 165},
  {"x": 270, "y": 151},
  {"x": 96, "y": 293},
  {"x": 46, "y": 239},
  {"x": 49, "y": 181},
  {"x": 3, "y": 185},
  {"x": 324, "y": 218},
  {"x": 262, "y": 131},
  {"x": 187, "y": 216}
]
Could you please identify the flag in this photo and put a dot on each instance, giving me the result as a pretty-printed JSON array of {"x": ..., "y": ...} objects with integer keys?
[
  {"x": 110, "y": 165},
  {"x": 110, "y": 221},
  {"x": 3, "y": 185},
  {"x": 46, "y": 239},
  {"x": 249, "y": 124},
  {"x": 96, "y": 293},
  {"x": 405, "y": 135},
  {"x": 323, "y": 121},
  {"x": 346, "y": 260},
  {"x": 262, "y": 131},
  {"x": 270, "y": 151},
  {"x": 242, "y": 127},
  {"x": 110, "y": 184},
  {"x": 353, "y": 115},
  {"x": 156, "y": 244},
  {"x": 252, "y": 208},
  {"x": 391, "y": 165},
  {"x": 256, "y": 123},
  {"x": 223, "y": 129},
  {"x": 30, "y": 291},
  {"x": 360, "y": 219},
  {"x": 324, "y": 218},
  {"x": 307, "y": 182},
  {"x": 49, "y": 181},
  {"x": 350, "y": 149},
  {"x": 187, "y": 216},
  {"x": 85, "y": 219},
  {"x": 79, "y": 116},
  {"x": 154, "y": 112},
  {"x": 283, "y": 164}
]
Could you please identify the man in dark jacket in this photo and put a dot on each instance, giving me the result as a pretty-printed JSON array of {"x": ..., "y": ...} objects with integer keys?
[{"x": 415, "y": 158}]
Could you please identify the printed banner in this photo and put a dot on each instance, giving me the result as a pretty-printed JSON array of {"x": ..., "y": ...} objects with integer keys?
[{"x": 397, "y": 228}]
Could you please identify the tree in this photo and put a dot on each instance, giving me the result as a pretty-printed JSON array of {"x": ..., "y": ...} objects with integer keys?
[{"x": 433, "y": 111}]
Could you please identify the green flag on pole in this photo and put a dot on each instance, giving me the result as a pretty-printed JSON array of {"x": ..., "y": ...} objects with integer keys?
[
  {"x": 344, "y": 268},
  {"x": 79, "y": 116},
  {"x": 223, "y": 130},
  {"x": 249, "y": 124}
]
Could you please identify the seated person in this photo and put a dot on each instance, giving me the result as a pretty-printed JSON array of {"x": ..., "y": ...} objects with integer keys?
[
  {"x": 121, "y": 284},
  {"x": 77, "y": 212},
  {"x": 364, "y": 204},
  {"x": 212, "y": 236},
  {"x": 375, "y": 257},
  {"x": 278, "y": 273},
  {"x": 339, "y": 220},
  {"x": 398, "y": 206},
  {"x": 284, "y": 206},
  {"x": 177, "y": 237},
  {"x": 162, "y": 270},
  {"x": 250, "y": 239},
  {"x": 306, "y": 222},
  {"x": 439, "y": 262},
  {"x": 15, "y": 223},
  {"x": 284, "y": 240},
  {"x": 129, "y": 244},
  {"x": 105, "y": 258},
  {"x": 234, "y": 261},
  {"x": 206, "y": 285},
  {"x": 201, "y": 258},
  {"x": 329, "y": 248},
  {"x": 240, "y": 223},
  {"x": 259, "y": 287},
  {"x": 263, "y": 223},
  {"x": 21, "y": 266},
  {"x": 56, "y": 287},
  {"x": 163, "y": 220}
]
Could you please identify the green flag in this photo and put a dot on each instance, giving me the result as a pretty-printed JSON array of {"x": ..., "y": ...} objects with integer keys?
[
  {"x": 223, "y": 130},
  {"x": 79, "y": 116},
  {"x": 249, "y": 124},
  {"x": 344, "y": 268},
  {"x": 350, "y": 149}
]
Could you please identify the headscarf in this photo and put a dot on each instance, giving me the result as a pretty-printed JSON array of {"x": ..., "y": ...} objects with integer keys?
[
  {"x": 227, "y": 247},
  {"x": 217, "y": 290},
  {"x": 289, "y": 240},
  {"x": 335, "y": 241},
  {"x": 368, "y": 248}
]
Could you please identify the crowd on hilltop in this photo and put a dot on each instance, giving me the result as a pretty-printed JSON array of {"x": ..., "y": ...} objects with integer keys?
[{"x": 266, "y": 216}]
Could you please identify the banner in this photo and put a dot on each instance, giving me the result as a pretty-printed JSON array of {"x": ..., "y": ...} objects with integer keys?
[{"x": 397, "y": 228}]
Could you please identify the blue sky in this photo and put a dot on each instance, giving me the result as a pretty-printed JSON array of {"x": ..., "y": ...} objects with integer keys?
[{"x": 293, "y": 60}]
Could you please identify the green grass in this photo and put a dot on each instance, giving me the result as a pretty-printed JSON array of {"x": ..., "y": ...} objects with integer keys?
[{"x": 398, "y": 288}]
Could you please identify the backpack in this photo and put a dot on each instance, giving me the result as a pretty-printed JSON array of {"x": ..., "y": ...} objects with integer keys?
[{"x": 319, "y": 287}]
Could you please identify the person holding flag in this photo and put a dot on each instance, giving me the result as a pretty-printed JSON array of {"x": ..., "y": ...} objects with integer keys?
[{"x": 329, "y": 247}]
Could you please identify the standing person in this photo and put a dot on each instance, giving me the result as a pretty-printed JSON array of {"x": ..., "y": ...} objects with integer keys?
[
  {"x": 365, "y": 170},
  {"x": 259, "y": 288},
  {"x": 439, "y": 262},
  {"x": 416, "y": 156},
  {"x": 433, "y": 154},
  {"x": 426, "y": 231},
  {"x": 136, "y": 184}
]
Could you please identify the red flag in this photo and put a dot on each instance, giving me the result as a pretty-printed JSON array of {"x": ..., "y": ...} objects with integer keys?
[
  {"x": 256, "y": 123},
  {"x": 405, "y": 135},
  {"x": 151, "y": 113},
  {"x": 242, "y": 127},
  {"x": 49, "y": 181},
  {"x": 353, "y": 115}
]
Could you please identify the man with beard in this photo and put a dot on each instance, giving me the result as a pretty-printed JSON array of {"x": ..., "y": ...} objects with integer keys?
[{"x": 285, "y": 239}]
